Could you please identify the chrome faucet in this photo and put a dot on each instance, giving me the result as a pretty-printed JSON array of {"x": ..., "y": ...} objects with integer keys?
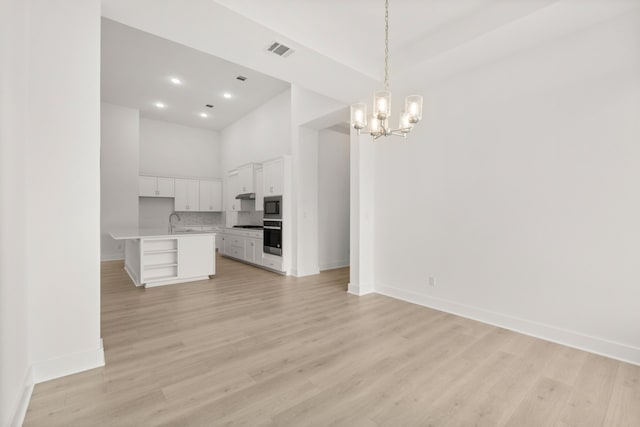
[{"x": 170, "y": 223}]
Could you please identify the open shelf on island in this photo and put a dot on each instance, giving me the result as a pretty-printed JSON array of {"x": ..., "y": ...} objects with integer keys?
[
  {"x": 154, "y": 266},
  {"x": 160, "y": 251}
]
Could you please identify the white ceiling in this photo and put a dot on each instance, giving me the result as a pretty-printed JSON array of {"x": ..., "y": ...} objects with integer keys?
[
  {"x": 136, "y": 68},
  {"x": 352, "y": 32},
  {"x": 339, "y": 43}
]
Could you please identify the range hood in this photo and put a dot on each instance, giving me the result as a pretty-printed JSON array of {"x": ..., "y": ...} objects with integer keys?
[{"x": 246, "y": 196}]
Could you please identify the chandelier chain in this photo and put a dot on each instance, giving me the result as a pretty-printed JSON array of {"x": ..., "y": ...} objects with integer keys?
[
  {"x": 379, "y": 125},
  {"x": 386, "y": 45}
]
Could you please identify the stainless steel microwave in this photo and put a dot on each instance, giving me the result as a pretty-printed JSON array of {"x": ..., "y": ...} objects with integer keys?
[{"x": 273, "y": 207}]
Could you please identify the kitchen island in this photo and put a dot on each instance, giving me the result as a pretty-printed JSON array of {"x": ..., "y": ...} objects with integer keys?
[{"x": 155, "y": 257}]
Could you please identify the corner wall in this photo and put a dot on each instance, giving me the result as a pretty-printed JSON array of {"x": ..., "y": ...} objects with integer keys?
[
  {"x": 307, "y": 107},
  {"x": 119, "y": 149},
  {"x": 15, "y": 378},
  {"x": 63, "y": 188},
  {"x": 519, "y": 194},
  {"x": 333, "y": 199}
]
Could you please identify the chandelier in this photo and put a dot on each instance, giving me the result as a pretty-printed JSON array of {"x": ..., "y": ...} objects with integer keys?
[{"x": 379, "y": 120}]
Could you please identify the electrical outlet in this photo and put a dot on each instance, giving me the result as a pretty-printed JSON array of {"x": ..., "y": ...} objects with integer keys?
[{"x": 432, "y": 281}]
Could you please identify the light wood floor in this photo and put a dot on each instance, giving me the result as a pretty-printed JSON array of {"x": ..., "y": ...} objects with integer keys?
[{"x": 257, "y": 349}]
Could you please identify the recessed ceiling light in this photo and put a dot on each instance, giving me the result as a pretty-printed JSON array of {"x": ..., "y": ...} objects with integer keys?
[
  {"x": 227, "y": 95},
  {"x": 160, "y": 105},
  {"x": 204, "y": 115},
  {"x": 176, "y": 81}
]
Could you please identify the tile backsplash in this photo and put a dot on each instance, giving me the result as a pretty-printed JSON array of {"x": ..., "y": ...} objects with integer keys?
[
  {"x": 250, "y": 217},
  {"x": 200, "y": 218},
  {"x": 154, "y": 213}
]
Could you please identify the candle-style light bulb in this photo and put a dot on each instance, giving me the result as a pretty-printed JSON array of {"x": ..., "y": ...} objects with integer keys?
[
  {"x": 405, "y": 123},
  {"x": 375, "y": 125},
  {"x": 413, "y": 106},
  {"x": 359, "y": 115},
  {"x": 382, "y": 104}
]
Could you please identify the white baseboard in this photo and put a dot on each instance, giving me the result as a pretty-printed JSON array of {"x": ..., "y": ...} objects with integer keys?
[
  {"x": 67, "y": 365},
  {"x": 334, "y": 264},
  {"x": 304, "y": 273},
  {"x": 25, "y": 398},
  {"x": 112, "y": 257},
  {"x": 358, "y": 290},
  {"x": 569, "y": 338}
]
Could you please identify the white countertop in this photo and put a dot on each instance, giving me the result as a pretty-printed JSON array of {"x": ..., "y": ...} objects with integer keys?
[
  {"x": 249, "y": 232},
  {"x": 138, "y": 233}
]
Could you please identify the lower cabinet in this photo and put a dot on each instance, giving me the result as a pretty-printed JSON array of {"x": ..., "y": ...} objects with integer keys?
[
  {"x": 273, "y": 262},
  {"x": 243, "y": 248},
  {"x": 253, "y": 251}
]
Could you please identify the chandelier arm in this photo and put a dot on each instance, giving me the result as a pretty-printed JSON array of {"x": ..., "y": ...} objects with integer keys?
[
  {"x": 398, "y": 132},
  {"x": 404, "y": 130}
]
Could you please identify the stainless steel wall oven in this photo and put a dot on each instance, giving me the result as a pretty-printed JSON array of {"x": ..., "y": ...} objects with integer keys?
[{"x": 272, "y": 237}]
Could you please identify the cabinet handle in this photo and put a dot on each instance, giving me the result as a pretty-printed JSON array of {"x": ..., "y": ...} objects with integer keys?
[
  {"x": 157, "y": 192},
  {"x": 271, "y": 189},
  {"x": 244, "y": 188},
  {"x": 187, "y": 207}
]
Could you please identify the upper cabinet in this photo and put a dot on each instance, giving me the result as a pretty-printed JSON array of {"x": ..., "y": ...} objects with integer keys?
[
  {"x": 187, "y": 195},
  {"x": 154, "y": 186},
  {"x": 246, "y": 178},
  {"x": 273, "y": 176},
  {"x": 233, "y": 181},
  {"x": 259, "y": 190},
  {"x": 210, "y": 195}
]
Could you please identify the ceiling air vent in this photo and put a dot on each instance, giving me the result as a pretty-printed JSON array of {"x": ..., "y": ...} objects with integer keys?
[
  {"x": 280, "y": 49},
  {"x": 241, "y": 78}
]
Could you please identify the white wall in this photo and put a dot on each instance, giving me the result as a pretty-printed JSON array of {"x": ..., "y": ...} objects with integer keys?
[
  {"x": 333, "y": 199},
  {"x": 307, "y": 108},
  {"x": 119, "y": 147},
  {"x": 154, "y": 212},
  {"x": 263, "y": 134},
  {"x": 14, "y": 355},
  {"x": 170, "y": 149},
  {"x": 63, "y": 187},
  {"x": 519, "y": 195}
]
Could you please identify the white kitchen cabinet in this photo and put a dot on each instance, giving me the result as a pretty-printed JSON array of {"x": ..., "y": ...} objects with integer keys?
[
  {"x": 147, "y": 186},
  {"x": 273, "y": 262},
  {"x": 246, "y": 178},
  {"x": 253, "y": 250},
  {"x": 242, "y": 245},
  {"x": 210, "y": 196},
  {"x": 196, "y": 256},
  {"x": 167, "y": 259},
  {"x": 166, "y": 187},
  {"x": 219, "y": 241},
  {"x": 259, "y": 190},
  {"x": 155, "y": 186},
  {"x": 273, "y": 176},
  {"x": 187, "y": 195},
  {"x": 233, "y": 179}
]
